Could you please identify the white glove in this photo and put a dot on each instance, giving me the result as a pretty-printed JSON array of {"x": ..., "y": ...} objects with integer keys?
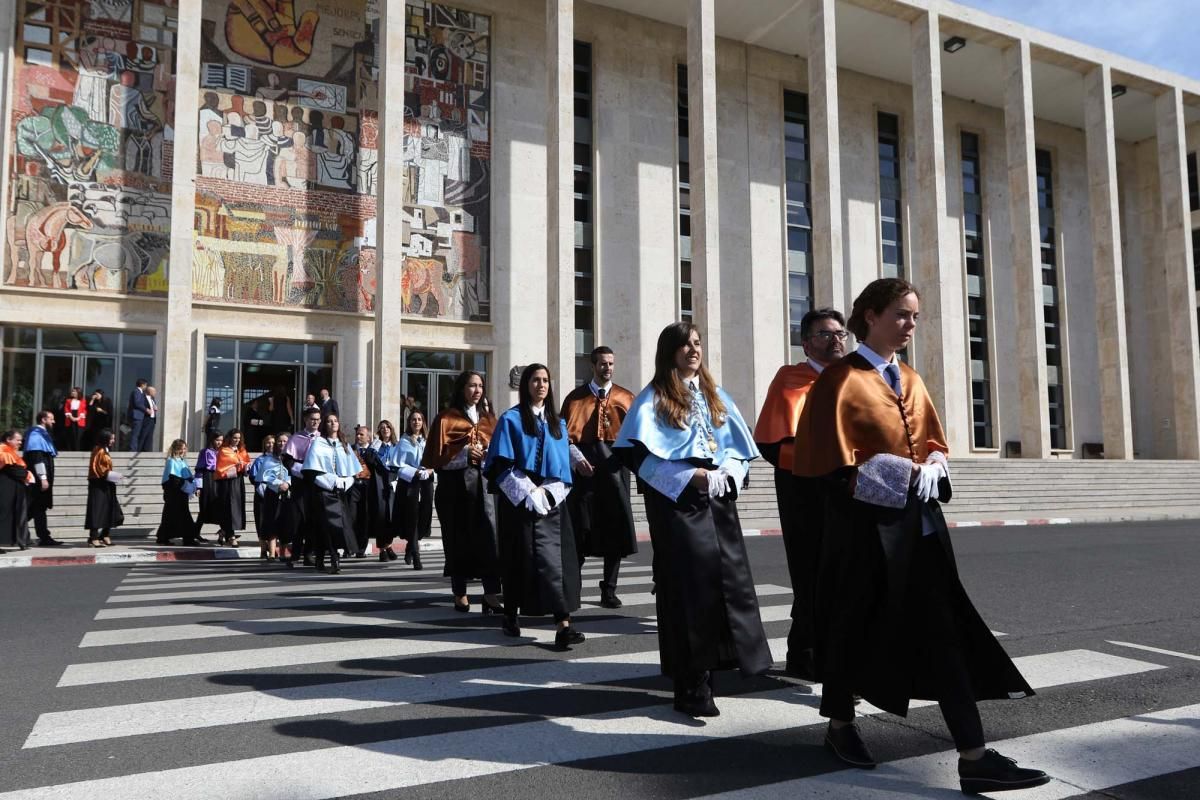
[
  {"x": 345, "y": 483},
  {"x": 424, "y": 474},
  {"x": 718, "y": 482},
  {"x": 926, "y": 480},
  {"x": 261, "y": 490},
  {"x": 115, "y": 477},
  {"x": 538, "y": 502}
]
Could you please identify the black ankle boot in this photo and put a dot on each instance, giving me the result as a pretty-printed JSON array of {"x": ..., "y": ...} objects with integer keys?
[
  {"x": 848, "y": 746},
  {"x": 608, "y": 596},
  {"x": 693, "y": 695}
]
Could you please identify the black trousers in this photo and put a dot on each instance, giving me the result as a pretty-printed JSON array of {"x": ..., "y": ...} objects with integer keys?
[
  {"x": 491, "y": 585},
  {"x": 39, "y": 524},
  {"x": 801, "y": 523},
  {"x": 937, "y": 651},
  {"x": 612, "y": 569}
]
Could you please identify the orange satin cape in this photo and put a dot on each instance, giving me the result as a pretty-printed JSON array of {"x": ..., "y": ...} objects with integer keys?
[
  {"x": 101, "y": 463},
  {"x": 451, "y": 432},
  {"x": 9, "y": 457},
  {"x": 228, "y": 457},
  {"x": 780, "y": 413},
  {"x": 584, "y": 424},
  {"x": 852, "y": 414}
]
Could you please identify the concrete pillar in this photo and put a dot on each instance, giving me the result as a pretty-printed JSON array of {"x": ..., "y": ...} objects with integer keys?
[
  {"x": 1177, "y": 266},
  {"x": 560, "y": 190},
  {"x": 386, "y": 383},
  {"x": 8, "y": 24},
  {"x": 702, "y": 155},
  {"x": 1026, "y": 248},
  {"x": 179, "y": 348},
  {"x": 937, "y": 266},
  {"x": 829, "y": 274},
  {"x": 1107, "y": 264}
]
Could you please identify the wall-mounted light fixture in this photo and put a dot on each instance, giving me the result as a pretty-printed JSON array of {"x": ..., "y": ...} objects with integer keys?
[
  {"x": 954, "y": 44},
  {"x": 1118, "y": 89}
]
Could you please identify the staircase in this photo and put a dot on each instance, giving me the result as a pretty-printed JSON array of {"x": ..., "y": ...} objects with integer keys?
[{"x": 984, "y": 490}]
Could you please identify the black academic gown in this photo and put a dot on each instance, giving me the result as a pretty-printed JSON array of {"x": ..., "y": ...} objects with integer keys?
[
  {"x": 600, "y": 508},
  {"x": 468, "y": 516},
  {"x": 539, "y": 562},
  {"x": 870, "y": 639},
  {"x": 370, "y": 500},
  {"x": 39, "y": 500},
  {"x": 176, "y": 520},
  {"x": 14, "y": 505},
  {"x": 103, "y": 508}
]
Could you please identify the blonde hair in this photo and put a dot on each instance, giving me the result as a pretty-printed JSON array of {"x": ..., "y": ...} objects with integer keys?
[{"x": 177, "y": 448}]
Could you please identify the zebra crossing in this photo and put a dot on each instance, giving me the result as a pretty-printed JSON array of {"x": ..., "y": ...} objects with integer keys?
[{"x": 266, "y": 683}]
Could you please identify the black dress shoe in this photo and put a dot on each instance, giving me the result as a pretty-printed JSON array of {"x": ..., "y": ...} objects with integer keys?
[
  {"x": 383, "y": 556},
  {"x": 608, "y": 596},
  {"x": 408, "y": 554},
  {"x": 51, "y": 543},
  {"x": 510, "y": 626},
  {"x": 488, "y": 607},
  {"x": 565, "y": 637},
  {"x": 847, "y": 745},
  {"x": 391, "y": 554},
  {"x": 996, "y": 773},
  {"x": 693, "y": 696},
  {"x": 416, "y": 560}
]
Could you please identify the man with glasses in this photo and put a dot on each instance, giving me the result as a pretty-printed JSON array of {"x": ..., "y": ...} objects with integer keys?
[
  {"x": 823, "y": 337},
  {"x": 293, "y": 459}
]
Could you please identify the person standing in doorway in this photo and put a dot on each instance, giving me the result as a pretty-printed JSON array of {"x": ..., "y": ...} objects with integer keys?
[
  {"x": 150, "y": 422},
  {"x": 100, "y": 416},
  {"x": 74, "y": 419},
  {"x": 39, "y": 455},
  {"x": 135, "y": 411},
  {"x": 212, "y": 422},
  {"x": 601, "y": 513},
  {"x": 328, "y": 405}
]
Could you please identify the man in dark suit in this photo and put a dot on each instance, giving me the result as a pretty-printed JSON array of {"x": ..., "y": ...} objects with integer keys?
[
  {"x": 150, "y": 421},
  {"x": 136, "y": 411},
  {"x": 329, "y": 406}
]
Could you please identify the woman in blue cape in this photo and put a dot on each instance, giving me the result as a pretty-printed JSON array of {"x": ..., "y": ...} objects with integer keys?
[
  {"x": 413, "y": 512},
  {"x": 691, "y": 449},
  {"x": 272, "y": 481},
  {"x": 178, "y": 485},
  {"x": 529, "y": 465},
  {"x": 331, "y": 466}
]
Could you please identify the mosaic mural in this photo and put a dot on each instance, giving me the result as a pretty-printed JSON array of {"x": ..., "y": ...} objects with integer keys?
[
  {"x": 447, "y": 154},
  {"x": 288, "y": 127},
  {"x": 93, "y": 106}
]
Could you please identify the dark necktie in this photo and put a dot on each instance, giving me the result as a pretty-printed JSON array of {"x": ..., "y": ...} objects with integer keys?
[
  {"x": 541, "y": 444},
  {"x": 893, "y": 375}
]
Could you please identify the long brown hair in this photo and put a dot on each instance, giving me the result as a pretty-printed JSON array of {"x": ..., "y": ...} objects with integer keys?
[{"x": 672, "y": 400}]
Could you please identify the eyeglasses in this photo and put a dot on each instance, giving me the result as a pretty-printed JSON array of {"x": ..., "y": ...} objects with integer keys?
[{"x": 827, "y": 335}]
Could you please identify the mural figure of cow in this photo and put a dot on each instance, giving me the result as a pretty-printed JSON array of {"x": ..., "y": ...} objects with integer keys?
[
  {"x": 136, "y": 254},
  {"x": 424, "y": 279}
]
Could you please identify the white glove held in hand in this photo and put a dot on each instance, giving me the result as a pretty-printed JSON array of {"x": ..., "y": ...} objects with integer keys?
[
  {"x": 718, "y": 482},
  {"x": 538, "y": 502},
  {"x": 345, "y": 483},
  {"x": 926, "y": 481}
]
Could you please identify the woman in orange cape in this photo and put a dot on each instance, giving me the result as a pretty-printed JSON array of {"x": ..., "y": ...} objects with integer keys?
[
  {"x": 458, "y": 441},
  {"x": 893, "y": 619}
]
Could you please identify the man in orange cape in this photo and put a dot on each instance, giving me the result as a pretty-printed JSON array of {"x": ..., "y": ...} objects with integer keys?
[{"x": 823, "y": 337}]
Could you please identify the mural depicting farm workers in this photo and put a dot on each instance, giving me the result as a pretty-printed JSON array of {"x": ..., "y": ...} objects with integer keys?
[{"x": 93, "y": 105}]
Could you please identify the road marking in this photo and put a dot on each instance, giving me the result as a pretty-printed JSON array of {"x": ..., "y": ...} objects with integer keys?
[
  {"x": 1159, "y": 650},
  {"x": 212, "y": 607},
  {"x": 1082, "y": 759}
]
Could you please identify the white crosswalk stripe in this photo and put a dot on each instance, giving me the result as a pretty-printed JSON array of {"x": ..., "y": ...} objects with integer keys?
[{"x": 292, "y": 658}]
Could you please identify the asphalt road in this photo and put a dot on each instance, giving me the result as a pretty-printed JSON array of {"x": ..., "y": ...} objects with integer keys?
[{"x": 238, "y": 680}]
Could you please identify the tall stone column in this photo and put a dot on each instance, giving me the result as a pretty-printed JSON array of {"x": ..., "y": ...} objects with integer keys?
[
  {"x": 702, "y": 157},
  {"x": 389, "y": 217},
  {"x": 1177, "y": 266},
  {"x": 179, "y": 347},
  {"x": 1107, "y": 267},
  {"x": 8, "y": 24},
  {"x": 941, "y": 350},
  {"x": 560, "y": 188},
  {"x": 828, "y": 267},
  {"x": 1026, "y": 248}
]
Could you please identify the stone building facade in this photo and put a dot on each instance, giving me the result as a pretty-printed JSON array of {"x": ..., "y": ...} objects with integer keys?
[{"x": 250, "y": 200}]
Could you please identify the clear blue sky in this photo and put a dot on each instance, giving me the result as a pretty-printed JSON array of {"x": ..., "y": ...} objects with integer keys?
[{"x": 1165, "y": 33}]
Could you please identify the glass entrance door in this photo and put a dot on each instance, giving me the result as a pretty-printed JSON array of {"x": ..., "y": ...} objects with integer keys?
[
  {"x": 268, "y": 401},
  {"x": 58, "y": 377},
  {"x": 429, "y": 377}
]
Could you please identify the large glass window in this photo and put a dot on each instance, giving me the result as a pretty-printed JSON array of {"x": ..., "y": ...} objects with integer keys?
[
  {"x": 39, "y": 367},
  {"x": 799, "y": 218},
  {"x": 685, "y": 196},
  {"x": 977, "y": 283},
  {"x": 891, "y": 225},
  {"x": 429, "y": 377},
  {"x": 1055, "y": 341},
  {"x": 585, "y": 273},
  {"x": 261, "y": 383}
]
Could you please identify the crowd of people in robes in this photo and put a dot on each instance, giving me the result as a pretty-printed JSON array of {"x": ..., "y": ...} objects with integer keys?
[{"x": 861, "y": 468}]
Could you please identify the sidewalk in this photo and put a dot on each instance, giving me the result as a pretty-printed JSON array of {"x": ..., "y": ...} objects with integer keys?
[{"x": 136, "y": 545}]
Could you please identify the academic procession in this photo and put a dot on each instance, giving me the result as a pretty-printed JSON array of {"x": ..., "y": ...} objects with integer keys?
[{"x": 519, "y": 267}]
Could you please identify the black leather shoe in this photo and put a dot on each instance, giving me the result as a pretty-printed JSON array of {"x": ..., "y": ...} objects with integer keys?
[
  {"x": 847, "y": 745},
  {"x": 487, "y": 606},
  {"x": 383, "y": 556},
  {"x": 416, "y": 560},
  {"x": 510, "y": 626},
  {"x": 996, "y": 773},
  {"x": 565, "y": 637},
  {"x": 51, "y": 543},
  {"x": 408, "y": 554},
  {"x": 693, "y": 696},
  {"x": 608, "y": 596}
]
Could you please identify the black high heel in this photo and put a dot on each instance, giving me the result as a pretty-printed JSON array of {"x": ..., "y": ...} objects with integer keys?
[
  {"x": 491, "y": 608},
  {"x": 463, "y": 609}
]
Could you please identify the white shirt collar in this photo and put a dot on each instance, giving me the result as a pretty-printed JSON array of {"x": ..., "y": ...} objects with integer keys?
[
  {"x": 538, "y": 410},
  {"x": 595, "y": 387},
  {"x": 817, "y": 366},
  {"x": 874, "y": 359},
  {"x": 473, "y": 414}
]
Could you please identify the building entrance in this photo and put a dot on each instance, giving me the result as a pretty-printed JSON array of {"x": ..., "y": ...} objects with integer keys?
[
  {"x": 429, "y": 377},
  {"x": 268, "y": 401}
]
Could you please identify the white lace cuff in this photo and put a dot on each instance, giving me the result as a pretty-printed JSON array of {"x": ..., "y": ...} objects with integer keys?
[
  {"x": 516, "y": 485},
  {"x": 669, "y": 478},
  {"x": 558, "y": 490},
  {"x": 883, "y": 481}
]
